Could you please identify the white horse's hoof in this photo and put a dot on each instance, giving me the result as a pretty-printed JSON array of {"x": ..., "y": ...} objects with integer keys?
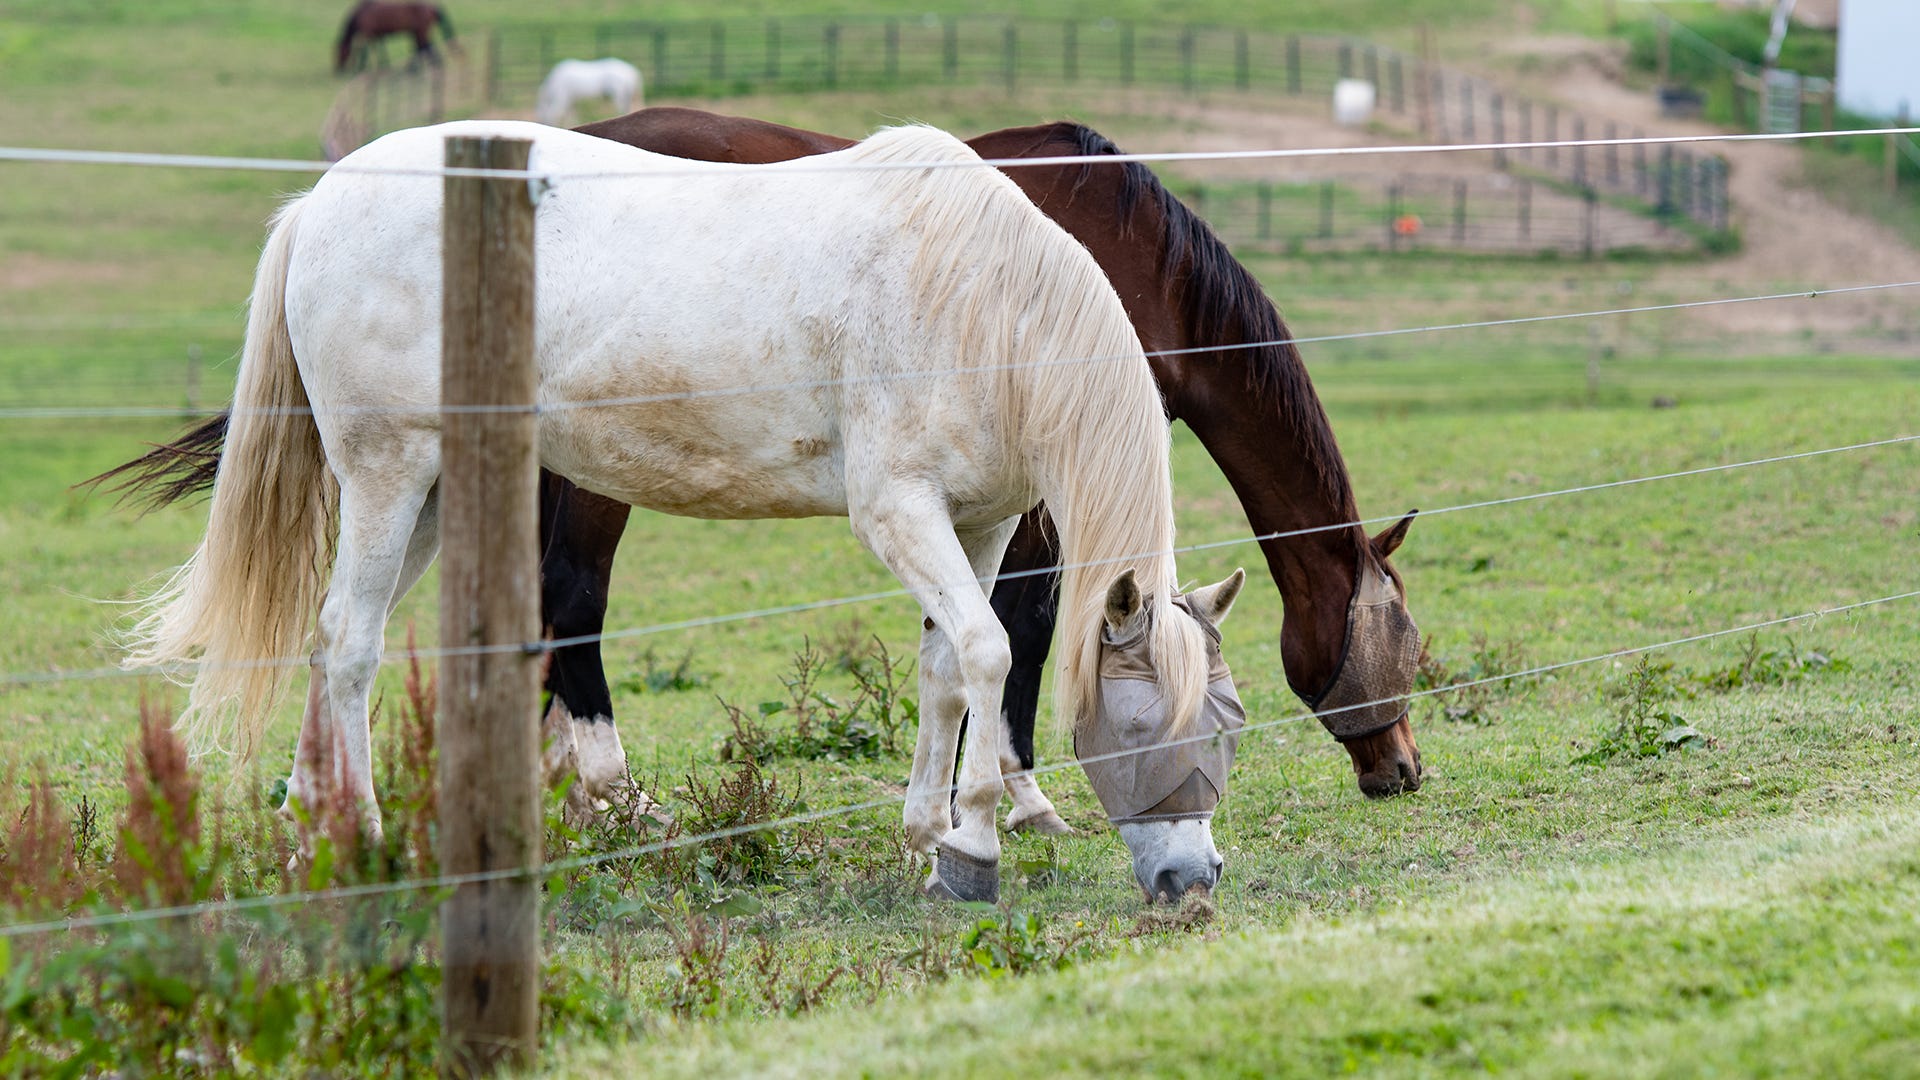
[{"x": 959, "y": 876}]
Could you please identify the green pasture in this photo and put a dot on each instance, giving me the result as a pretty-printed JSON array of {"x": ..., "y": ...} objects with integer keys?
[
  {"x": 1740, "y": 902},
  {"x": 1789, "y": 951}
]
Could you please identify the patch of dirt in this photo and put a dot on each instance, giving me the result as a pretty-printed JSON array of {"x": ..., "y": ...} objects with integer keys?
[
  {"x": 1793, "y": 238},
  {"x": 19, "y": 273}
]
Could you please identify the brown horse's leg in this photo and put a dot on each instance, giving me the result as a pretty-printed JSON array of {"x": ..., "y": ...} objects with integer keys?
[
  {"x": 423, "y": 47},
  {"x": 1027, "y": 604},
  {"x": 579, "y": 533}
]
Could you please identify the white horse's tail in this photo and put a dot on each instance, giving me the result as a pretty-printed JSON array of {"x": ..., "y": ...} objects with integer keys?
[{"x": 240, "y": 606}]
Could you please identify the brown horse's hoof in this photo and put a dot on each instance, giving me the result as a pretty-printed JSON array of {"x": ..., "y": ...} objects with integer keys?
[
  {"x": 1046, "y": 823},
  {"x": 959, "y": 876}
]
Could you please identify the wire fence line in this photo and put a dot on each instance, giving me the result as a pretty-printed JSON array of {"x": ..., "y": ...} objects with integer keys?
[
  {"x": 584, "y": 861},
  {"x": 549, "y": 645},
  {"x": 692, "y": 169},
  {"x": 60, "y": 412}
]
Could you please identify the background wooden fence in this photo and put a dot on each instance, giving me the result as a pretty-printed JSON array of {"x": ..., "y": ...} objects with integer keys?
[{"x": 1678, "y": 196}]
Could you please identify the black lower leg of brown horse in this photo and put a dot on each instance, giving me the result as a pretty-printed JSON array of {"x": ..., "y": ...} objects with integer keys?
[
  {"x": 578, "y": 534},
  {"x": 423, "y": 49},
  {"x": 1026, "y": 597}
]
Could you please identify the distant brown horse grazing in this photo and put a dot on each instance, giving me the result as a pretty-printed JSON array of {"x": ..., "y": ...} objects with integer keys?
[
  {"x": 375, "y": 19},
  {"x": 1346, "y": 634}
]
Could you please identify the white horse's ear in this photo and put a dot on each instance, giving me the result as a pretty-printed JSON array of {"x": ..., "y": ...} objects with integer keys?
[
  {"x": 1123, "y": 602},
  {"x": 1212, "y": 602}
]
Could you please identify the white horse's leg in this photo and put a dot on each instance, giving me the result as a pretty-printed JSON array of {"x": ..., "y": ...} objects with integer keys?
[
  {"x": 315, "y": 771},
  {"x": 378, "y": 518},
  {"x": 313, "y": 753},
  {"x": 965, "y": 646}
]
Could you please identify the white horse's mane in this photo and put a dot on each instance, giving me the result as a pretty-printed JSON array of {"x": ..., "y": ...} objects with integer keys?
[{"x": 1024, "y": 296}]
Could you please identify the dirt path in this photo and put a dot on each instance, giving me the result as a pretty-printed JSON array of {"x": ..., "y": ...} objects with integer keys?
[{"x": 1794, "y": 238}]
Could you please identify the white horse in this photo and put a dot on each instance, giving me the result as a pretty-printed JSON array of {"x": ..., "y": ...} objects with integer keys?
[
  {"x": 903, "y": 320},
  {"x": 573, "y": 81}
]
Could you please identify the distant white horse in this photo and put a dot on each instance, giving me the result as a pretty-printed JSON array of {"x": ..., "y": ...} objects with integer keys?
[
  {"x": 905, "y": 325},
  {"x": 573, "y": 81}
]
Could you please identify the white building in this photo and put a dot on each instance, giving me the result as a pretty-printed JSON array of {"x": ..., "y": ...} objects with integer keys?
[{"x": 1879, "y": 61}]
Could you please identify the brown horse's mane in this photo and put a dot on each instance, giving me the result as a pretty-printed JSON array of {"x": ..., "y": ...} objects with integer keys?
[{"x": 1223, "y": 303}]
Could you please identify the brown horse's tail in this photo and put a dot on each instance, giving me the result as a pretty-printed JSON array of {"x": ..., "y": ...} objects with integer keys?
[
  {"x": 169, "y": 472},
  {"x": 344, "y": 49}
]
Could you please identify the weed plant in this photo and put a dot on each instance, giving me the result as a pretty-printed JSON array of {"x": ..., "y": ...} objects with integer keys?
[{"x": 867, "y": 725}]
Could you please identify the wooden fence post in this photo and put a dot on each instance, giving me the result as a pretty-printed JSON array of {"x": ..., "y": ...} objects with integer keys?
[
  {"x": 1893, "y": 154},
  {"x": 1590, "y": 222},
  {"x": 489, "y": 595},
  {"x": 1393, "y": 217},
  {"x": 1070, "y": 48},
  {"x": 1499, "y": 107},
  {"x": 1664, "y": 48},
  {"x": 1422, "y": 83},
  {"x": 491, "y": 93},
  {"x": 1579, "y": 152},
  {"x": 1010, "y": 46}
]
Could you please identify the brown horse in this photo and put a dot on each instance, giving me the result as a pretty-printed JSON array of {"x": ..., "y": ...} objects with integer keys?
[
  {"x": 372, "y": 20},
  {"x": 1345, "y": 639}
]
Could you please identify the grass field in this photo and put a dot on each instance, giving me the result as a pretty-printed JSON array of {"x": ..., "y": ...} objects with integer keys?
[{"x": 1739, "y": 903}]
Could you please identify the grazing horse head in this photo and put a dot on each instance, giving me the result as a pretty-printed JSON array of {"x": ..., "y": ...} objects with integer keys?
[
  {"x": 1158, "y": 774},
  {"x": 1363, "y": 703}
]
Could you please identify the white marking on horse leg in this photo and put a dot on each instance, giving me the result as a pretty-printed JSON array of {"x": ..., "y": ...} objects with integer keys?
[
  {"x": 558, "y": 752},
  {"x": 601, "y": 759},
  {"x": 1032, "y": 810}
]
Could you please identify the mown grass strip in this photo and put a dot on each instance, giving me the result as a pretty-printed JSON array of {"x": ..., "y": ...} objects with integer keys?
[{"x": 1787, "y": 951}]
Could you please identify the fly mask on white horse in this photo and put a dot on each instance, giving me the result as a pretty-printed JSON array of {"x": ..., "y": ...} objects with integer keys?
[{"x": 1159, "y": 782}]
